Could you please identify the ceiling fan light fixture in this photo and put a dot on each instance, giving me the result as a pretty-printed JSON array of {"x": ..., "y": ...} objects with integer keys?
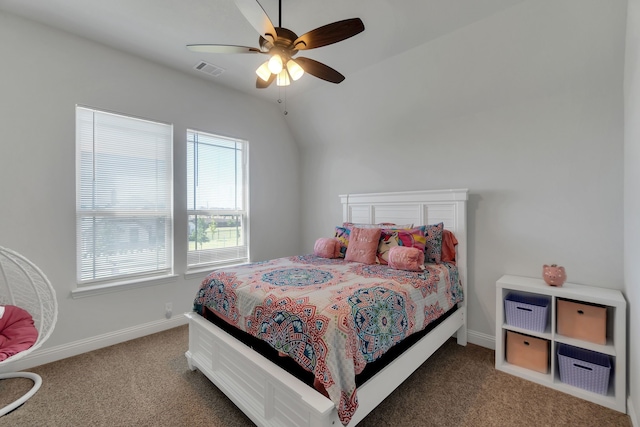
[
  {"x": 283, "y": 78},
  {"x": 295, "y": 70},
  {"x": 263, "y": 71},
  {"x": 281, "y": 44},
  {"x": 275, "y": 64}
]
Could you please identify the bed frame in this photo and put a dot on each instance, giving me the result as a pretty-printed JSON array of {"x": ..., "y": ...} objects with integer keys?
[{"x": 269, "y": 395}]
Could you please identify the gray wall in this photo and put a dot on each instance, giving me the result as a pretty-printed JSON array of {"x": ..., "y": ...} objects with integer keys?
[
  {"x": 632, "y": 198},
  {"x": 524, "y": 108},
  {"x": 44, "y": 74}
]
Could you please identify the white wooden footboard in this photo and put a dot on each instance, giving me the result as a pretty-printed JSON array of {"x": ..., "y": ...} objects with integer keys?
[
  {"x": 271, "y": 396},
  {"x": 266, "y": 393}
]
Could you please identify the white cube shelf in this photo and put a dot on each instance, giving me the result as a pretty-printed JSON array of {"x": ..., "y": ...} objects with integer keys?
[{"x": 615, "y": 346}]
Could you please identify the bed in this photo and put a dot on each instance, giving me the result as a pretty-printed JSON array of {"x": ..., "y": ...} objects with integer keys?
[{"x": 272, "y": 396}]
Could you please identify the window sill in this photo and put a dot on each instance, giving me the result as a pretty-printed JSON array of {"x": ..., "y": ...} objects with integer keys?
[
  {"x": 200, "y": 272},
  {"x": 106, "y": 288}
]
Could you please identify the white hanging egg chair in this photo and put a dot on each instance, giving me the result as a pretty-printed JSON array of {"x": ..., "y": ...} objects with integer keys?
[{"x": 24, "y": 285}]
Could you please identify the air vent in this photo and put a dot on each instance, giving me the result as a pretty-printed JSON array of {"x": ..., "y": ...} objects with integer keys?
[{"x": 210, "y": 69}]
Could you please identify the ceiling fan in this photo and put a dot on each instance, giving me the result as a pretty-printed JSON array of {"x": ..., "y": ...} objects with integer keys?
[{"x": 282, "y": 44}]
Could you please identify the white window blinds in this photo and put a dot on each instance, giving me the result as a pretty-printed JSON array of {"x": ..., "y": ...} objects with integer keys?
[
  {"x": 123, "y": 196},
  {"x": 216, "y": 200}
]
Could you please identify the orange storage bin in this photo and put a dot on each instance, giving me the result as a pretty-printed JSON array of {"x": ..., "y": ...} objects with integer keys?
[
  {"x": 528, "y": 352},
  {"x": 582, "y": 321}
]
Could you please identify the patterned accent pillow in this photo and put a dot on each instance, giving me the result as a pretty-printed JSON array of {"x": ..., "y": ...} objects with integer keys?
[
  {"x": 410, "y": 259},
  {"x": 433, "y": 251},
  {"x": 388, "y": 240},
  {"x": 379, "y": 225},
  {"x": 415, "y": 238},
  {"x": 412, "y": 238},
  {"x": 342, "y": 234},
  {"x": 363, "y": 244}
]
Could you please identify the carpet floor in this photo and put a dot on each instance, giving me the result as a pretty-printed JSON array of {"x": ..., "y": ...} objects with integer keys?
[{"x": 146, "y": 382}]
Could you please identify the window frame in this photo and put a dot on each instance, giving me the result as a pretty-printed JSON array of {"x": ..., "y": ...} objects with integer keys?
[
  {"x": 244, "y": 214},
  {"x": 167, "y": 213}
]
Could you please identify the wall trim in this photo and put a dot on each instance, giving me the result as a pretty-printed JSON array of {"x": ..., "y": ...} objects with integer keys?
[
  {"x": 53, "y": 354},
  {"x": 632, "y": 413},
  {"x": 49, "y": 355},
  {"x": 483, "y": 340}
]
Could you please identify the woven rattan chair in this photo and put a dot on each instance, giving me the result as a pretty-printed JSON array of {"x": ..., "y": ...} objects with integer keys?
[{"x": 23, "y": 284}]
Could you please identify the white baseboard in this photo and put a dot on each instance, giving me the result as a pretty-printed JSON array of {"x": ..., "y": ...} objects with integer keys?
[
  {"x": 632, "y": 413},
  {"x": 483, "y": 340},
  {"x": 53, "y": 354}
]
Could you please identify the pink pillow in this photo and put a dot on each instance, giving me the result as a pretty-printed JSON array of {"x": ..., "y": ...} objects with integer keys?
[
  {"x": 17, "y": 331},
  {"x": 363, "y": 245},
  {"x": 327, "y": 247},
  {"x": 406, "y": 258}
]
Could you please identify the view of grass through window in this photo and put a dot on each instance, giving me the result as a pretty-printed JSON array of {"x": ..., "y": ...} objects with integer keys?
[{"x": 207, "y": 232}]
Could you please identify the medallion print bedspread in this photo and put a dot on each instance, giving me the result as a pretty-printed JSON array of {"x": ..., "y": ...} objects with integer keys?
[{"x": 330, "y": 315}]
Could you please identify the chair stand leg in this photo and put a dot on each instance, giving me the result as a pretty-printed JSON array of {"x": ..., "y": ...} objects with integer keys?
[{"x": 37, "y": 382}]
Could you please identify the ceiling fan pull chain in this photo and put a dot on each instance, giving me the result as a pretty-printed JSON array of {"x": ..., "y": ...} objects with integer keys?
[
  {"x": 285, "y": 101},
  {"x": 280, "y": 90}
]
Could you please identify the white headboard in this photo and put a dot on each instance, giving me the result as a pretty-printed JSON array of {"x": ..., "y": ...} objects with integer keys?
[{"x": 417, "y": 207}]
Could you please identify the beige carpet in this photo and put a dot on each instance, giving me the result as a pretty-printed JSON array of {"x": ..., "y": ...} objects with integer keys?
[{"x": 146, "y": 382}]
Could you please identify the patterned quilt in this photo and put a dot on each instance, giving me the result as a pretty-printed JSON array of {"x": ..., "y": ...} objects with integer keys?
[{"x": 330, "y": 315}]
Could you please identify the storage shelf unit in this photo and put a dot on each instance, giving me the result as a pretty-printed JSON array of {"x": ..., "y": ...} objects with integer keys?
[{"x": 615, "y": 347}]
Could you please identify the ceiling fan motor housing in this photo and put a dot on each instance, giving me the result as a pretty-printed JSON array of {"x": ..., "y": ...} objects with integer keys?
[{"x": 283, "y": 43}]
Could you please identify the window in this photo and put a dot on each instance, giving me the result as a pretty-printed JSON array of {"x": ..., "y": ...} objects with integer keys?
[
  {"x": 216, "y": 200},
  {"x": 124, "y": 197}
]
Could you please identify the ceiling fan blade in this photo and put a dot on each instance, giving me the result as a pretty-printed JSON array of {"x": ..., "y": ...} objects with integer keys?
[
  {"x": 261, "y": 84},
  {"x": 329, "y": 34},
  {"x": 257, "y": 17},
  {"x": 320, "y": 70},
  {"x": 221, "y": 48}
]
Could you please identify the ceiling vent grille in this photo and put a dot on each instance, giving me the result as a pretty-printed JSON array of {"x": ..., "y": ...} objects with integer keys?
[{"x": 212, "y": 70}]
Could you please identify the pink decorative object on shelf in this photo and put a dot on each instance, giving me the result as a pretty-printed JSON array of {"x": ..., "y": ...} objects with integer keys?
[{"x": 554, "y": 274}]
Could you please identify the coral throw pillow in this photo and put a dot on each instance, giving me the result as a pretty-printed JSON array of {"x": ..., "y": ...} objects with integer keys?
[
  {"x": 449, "y": 243},
  {"x": 363, "y": 245},
  {"x": 405, "y": 258},
  {"x": 327, "y": 247}
]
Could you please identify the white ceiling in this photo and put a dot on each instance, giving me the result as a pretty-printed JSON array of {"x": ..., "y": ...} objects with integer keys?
[{"x": 159, "y": 30}]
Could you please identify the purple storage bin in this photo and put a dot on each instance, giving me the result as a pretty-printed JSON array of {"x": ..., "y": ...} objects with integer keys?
[
  {"x": 586, "y": 369},
  {"x": 527, "y": 311}
]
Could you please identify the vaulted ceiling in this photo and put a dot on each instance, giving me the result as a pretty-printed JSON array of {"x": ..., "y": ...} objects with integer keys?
[{"x": 159, "y": 30}]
